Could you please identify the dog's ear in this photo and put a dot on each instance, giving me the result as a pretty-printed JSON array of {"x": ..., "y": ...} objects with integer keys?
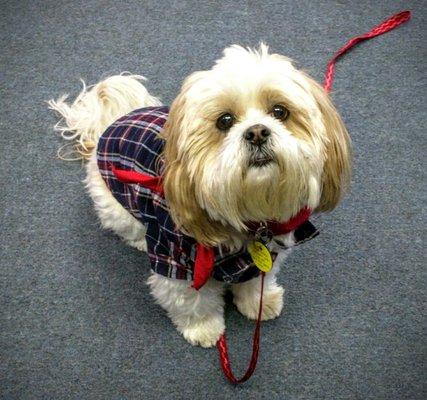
[
  {"x": 179, "y": 179},
  {"x": 337, "y": 165}
]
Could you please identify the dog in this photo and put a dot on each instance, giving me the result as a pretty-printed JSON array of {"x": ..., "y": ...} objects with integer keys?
[{"x": 250, "y": 142}]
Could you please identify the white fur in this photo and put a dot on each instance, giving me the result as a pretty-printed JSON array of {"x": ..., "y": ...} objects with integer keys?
[
  {"x": 110, "y": 212},
  {"x": 246, "y": 295},
  {"x": 198, "y": 315},
  {"x": 94, "y": 110},
  {"x": 295, "y": 179}
]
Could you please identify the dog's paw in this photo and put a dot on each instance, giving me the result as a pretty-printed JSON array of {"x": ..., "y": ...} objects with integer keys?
[
  {"x": 272, "y": 303},
  {"x": 139, "y": 244},
  {"x": 204, "y": 332}
]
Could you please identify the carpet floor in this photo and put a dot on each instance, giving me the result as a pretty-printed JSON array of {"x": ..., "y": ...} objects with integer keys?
[{"x": 76, "y": 318}]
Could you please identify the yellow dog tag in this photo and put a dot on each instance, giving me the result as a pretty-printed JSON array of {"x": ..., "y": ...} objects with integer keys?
[{"x": 260, "y": 256}]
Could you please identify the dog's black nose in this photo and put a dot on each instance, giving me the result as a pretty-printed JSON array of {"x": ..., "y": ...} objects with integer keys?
[{"x": 257, "y": 134}]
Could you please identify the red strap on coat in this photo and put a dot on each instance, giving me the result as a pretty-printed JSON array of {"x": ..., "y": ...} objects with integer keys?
[
  {"x": 205, "y": 256},
  {"x": 203, "y": 265},
  {"x": 153, "y": 183}
]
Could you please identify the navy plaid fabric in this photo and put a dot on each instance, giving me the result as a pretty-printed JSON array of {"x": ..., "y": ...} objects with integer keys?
[{"x": 132, "y": 143}]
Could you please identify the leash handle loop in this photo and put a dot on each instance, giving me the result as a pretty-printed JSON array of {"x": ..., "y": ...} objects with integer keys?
[{"x": 389, "y": 24}]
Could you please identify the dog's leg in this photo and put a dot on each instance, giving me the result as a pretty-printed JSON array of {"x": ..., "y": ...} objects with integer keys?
[
  {"x": 246, "y": 295},
  {"x": 110, "y": 212},
  {"x": 197, "y": 314}
]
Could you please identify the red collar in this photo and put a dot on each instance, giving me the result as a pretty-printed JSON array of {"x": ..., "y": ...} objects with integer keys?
[
  {"x": 280, "y": 228},
  {"x": 205, "y": 256}
]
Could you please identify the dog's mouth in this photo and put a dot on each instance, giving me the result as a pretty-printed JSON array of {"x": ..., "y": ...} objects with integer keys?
[{"x": 260, "y": 159}]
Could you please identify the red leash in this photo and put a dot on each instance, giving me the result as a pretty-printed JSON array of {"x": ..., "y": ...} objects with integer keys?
[
  {"x": 389, "y": 24},
  {"x": 223, "y": 351}
]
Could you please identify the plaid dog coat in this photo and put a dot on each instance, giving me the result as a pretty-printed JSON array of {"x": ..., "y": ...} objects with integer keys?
[{"x": 132, "y": 144}]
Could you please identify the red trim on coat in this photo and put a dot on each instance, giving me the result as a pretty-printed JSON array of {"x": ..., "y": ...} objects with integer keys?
[{"x": 205, "y": 256}]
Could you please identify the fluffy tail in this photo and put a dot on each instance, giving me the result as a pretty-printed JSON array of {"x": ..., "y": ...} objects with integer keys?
[{"x": 94, "y": 109}]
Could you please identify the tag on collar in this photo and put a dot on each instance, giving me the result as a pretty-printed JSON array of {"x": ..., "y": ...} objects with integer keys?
[
  {"x": 260, "y": 255},
  {"x": 263, "y": 234}
]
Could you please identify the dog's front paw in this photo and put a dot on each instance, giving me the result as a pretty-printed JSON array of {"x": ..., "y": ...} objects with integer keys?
[
  {"x": 140, "y": 244},
  {"x": 204, "y": 332},
  {"x": 272, "y": 303}
]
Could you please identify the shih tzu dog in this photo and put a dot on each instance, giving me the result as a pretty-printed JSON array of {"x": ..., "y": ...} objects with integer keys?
[{"x": 247, "y": 150}]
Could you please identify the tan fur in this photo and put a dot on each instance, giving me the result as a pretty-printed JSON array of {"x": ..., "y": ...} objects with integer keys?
[
  {"x": 337, "y": 166},
  {"x": 179, "y": 186}
]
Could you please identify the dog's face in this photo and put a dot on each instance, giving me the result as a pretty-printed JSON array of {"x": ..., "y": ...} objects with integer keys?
[{"x": 252, "y": 139}]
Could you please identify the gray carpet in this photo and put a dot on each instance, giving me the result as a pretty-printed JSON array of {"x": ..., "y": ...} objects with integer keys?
[{"x": 76, "y": 318}]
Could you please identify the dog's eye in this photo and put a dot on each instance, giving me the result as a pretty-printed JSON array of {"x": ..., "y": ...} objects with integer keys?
[
  {"x": 280, "y": 112},
  {"x": 225, "y": 122}
]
